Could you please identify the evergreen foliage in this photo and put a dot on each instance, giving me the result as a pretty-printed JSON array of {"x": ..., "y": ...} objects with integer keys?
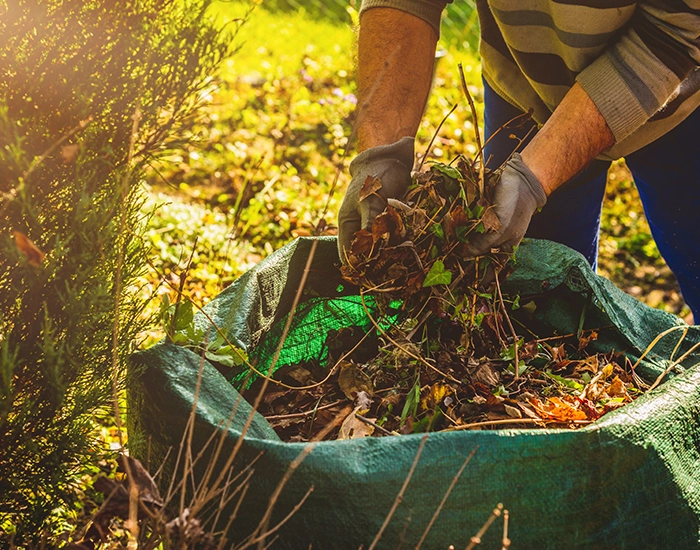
[{"x": 90, "y": 93}]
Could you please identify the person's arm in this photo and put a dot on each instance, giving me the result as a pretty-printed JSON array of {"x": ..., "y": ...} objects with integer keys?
[
  {"x": 396, "y": 56},
  {"x": 396, "y": 53},
  {"x": 573, "y": 136}
]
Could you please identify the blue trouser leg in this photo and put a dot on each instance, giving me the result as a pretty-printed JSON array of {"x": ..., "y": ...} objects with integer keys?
[
  {"x": 667, "y": 175},
  {"x": 572, "y": 214}
]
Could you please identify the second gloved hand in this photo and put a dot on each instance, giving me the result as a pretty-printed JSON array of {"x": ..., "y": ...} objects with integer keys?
[
  {"x": 518, "y": 195},
  {"x": 392, "y": 164}
]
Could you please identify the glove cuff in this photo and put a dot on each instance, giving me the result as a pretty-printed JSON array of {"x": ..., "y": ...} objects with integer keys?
[
  {"x": 536, "y": 189},
  {"x": 401, "y": 151}
]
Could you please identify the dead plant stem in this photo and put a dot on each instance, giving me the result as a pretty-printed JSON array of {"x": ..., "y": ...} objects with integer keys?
[
  {"x": 510, "y": 324},
  {"x": 476, "y": 539},
  {"x": 399, "y": 497},
  {"x": 435, "y": 135},
  {"x": 445, "y": 497},
  {"x": 475, "y": 121},
  {"x": 402, "y": 348}
]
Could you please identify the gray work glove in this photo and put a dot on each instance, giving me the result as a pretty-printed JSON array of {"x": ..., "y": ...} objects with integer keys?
[
  {"x": 518, "y": 195},
  {"x": 392, "y": 164}
]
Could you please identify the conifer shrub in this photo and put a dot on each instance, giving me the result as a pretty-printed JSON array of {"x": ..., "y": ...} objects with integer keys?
[{"x": 90, "y": 93}]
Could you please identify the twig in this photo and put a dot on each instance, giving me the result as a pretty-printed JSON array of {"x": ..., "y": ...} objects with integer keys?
[
  {"x": 512, "y": 330},
  {"x": 513, "y": 421},
  {"x": 207, "y": 494},
  {"x": 402, "y": 348},
  {"x": 305, "y": 413},
  {"x": 255, "y": 537},
  {"x": 475, "y": 120},
  {"x": 673, "y": 365},
  {"x": 505, "y": 544},
  {"x": 399, "y": 497},
  {"x": 444, "y": 498},
  {"x": 374, "y": 425},
  {"x": 435, "y": 134},
  {"x": 476, "y": 539},
  {"x": 656, "y": 341}
]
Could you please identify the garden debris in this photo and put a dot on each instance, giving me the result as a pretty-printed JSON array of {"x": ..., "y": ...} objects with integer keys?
[{"x": 449, "y": 356}]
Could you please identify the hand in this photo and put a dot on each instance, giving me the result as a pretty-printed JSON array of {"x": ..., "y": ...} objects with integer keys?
[
  {"x": 518, "y": 195},
  {"x": 392, "y": 164}
]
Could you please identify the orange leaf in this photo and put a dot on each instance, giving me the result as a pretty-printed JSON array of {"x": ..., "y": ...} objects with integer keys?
[
  {"x": 557, "y": 409},
  {"x": 29, "y": 249}
]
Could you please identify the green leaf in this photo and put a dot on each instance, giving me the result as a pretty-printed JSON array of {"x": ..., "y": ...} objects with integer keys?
[
  {"x": 412, "y": 400},
  {"x": 184, "y": 315},
  {"x": 437, "y": 275},
  {"x": 509, "y": 353},
  {"x": 461, "y": 233},
  {"x": 480, "y": 227},
  {"x": 449, "y": 171},
  {"x": 516, "y": 303},
  {"x": 229, "y": 356},
  {"x": 437, "y": 230},
  {"x": 566, "y": 382}
]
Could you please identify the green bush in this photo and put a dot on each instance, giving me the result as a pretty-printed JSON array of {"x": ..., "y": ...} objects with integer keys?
[{"x": 90, "y": 93}]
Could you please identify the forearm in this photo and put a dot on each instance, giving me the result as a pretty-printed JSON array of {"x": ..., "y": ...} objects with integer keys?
[
  {"x": 396, "y": 52},
  {"x": 573, "y": 136}
]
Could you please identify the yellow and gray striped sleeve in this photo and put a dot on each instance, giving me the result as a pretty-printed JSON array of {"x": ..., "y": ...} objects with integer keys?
[
  {"x": 644, "y": 68},
  {"x": 428, "y": 10}
]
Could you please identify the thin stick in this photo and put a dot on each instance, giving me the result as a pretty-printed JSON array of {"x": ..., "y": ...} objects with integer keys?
[
  {"x": 207, "y": 495},
  {"x": 264, "y": 522},
  {"x": 444, "y": 498},
  {"x": 512, "y": 330},
  {"x": 399, "y": 497},
  {"x": 672, "y": 366},
  {"x": 476, "y": 539},
  {"x": 374, "y": 425},
  {"x": 435, "y": 135},
  {"x": 656, "y": 340},
  {"x": 505, "y": 544},
  {"x": 513, "y": 421},
  {"x": 407, "y": 352},
  {"x": 305, "y": 413},
  {"x": 476, "y": 128}
]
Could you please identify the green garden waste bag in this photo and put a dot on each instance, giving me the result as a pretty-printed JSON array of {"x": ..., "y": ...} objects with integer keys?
[{"x": 629, "y": 480}]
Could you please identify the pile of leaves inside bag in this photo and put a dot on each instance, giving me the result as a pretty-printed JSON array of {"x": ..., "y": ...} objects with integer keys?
[{"x": 460, "y": 354}]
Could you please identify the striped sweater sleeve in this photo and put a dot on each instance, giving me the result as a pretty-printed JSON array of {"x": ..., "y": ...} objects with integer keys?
[
  {"x": 428, "y": 10},
  {"x": 639, "y": 73}
]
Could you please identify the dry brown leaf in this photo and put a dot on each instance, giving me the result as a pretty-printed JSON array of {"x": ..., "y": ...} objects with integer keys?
[
  {"x": 487, "y": 374},
  {"x": 511, "y": 411},
  {"x": 370, "y": 187},
  {"x": 29, "y": 249},
  {"x": 490, "y": 220},
  {"x": 585, "y": 340},
  {"x": 353, "y": 428},
  {"x": 388, "y": 223},
  {"x": 352, "y": 380},
  {"x": 616, "y": 388}
]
